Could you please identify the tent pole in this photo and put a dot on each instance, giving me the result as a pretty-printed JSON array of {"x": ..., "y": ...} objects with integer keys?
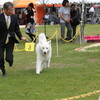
[
  {"x": 80, "y": 38},
  {"x": 44, "y": 20}
]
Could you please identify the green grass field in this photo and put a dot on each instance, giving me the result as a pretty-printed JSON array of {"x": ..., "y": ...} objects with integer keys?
[{"x": 73, "y": 73}]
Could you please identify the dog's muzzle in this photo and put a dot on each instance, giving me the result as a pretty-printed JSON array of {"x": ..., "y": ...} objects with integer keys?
[{"x": 44, "y": 52}]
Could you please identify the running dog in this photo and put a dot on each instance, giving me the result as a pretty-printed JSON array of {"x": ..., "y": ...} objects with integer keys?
[{"x": 43, "y": 52}]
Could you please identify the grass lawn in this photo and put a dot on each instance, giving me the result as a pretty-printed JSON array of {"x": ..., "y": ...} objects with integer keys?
[{"x": 71, "y": 74}]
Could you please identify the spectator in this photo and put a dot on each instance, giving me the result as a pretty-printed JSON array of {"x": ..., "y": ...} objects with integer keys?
[
  {"x": 64, "y": 13},
  {"x": 20, "y": 18},
  {"x": 47, "y": 19},
  {"x": 30, "y": 21},
  {"x": 92, "y": 12},
  {"x": 53, "y": 9},
  {"x": 74, "y": 18}
]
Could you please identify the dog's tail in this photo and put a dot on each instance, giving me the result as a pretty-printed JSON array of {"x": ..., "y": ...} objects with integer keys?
[{"x": 42, "y": 37}]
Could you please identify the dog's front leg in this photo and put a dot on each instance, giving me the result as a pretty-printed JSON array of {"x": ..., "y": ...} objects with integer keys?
[
  {"x": 38, "y": 67},
  {"x": 48, "y": 64}
]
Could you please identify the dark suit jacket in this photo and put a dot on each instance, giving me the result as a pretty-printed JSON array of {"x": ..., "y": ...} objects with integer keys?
[
  {"x": 13, "y": 29},
  {"x": 75, "y": 17}
]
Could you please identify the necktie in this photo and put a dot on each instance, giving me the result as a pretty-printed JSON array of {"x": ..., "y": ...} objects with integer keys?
[
  {"x": 7, "y": 24},
  {"x": 7, "y": 21}
]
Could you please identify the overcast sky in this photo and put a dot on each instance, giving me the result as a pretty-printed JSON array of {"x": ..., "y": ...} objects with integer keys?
[{"x": 3, "y": 1}]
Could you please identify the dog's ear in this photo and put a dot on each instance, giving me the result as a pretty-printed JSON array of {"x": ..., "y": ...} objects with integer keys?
[{"x": 49, "y": 42}]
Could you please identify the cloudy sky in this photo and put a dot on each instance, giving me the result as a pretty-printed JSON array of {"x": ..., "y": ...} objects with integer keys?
[{"x": 3, "y": 1}]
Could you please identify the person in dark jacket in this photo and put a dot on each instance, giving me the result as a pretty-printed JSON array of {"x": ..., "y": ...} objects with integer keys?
[
  {"x": 30, "y": 21},
  {"x": 9, "y": 28},
  {"x": 74, "y": 18}
]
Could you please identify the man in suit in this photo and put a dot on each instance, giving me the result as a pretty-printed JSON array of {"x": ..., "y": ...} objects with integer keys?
[{"x": 9, "y": 29}]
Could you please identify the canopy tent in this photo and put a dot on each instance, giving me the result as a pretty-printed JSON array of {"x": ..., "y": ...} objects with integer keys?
[
  {"x": 39, "y": 4},
  {"x": 20, "y": 3},
  {"x": 60, "y": 1},
  {"x": 23, "y": 3}
]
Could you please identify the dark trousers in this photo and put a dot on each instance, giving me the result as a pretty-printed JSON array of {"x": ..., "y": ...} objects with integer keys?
[
  {"x": 9, "y": 52},
  {"x": 32, "y": 36},
  {"x": 69, "y": 30},
  {"x": 74, "y": 30}
]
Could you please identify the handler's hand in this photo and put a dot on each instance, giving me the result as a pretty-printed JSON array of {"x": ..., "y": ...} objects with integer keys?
[
  {"x": 23, "y": 38},
  {"x": 67, "y": 21}
]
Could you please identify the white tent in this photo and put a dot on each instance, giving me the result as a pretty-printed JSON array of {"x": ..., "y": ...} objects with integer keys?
[
  {"x": 54, "y": 1},
  {"x": 60, "y": 1}
]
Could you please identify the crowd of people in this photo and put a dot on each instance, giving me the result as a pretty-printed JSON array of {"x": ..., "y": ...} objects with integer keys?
[{"x": 67, "y": 16}]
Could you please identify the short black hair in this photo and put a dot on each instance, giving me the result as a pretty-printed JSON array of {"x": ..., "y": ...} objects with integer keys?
[
  {"x": 64, "y": 2},
  {"x": 7, "y": 5},
  {"x": 31, "y": 5},
  {"x": 72, "y": 5}
]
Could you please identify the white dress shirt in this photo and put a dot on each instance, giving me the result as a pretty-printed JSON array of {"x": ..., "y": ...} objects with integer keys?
[
  {"x": 9, "y": 19},
  {"x": 8, "y": 24}
]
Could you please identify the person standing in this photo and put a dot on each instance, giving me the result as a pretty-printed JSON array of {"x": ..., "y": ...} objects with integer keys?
[
  {"x": 30, "y": 21},
  {"x": 8, "y": 29},
  {"x": 74, "y": 18},
  {"x": 92, "y": 12},
  {"x": 64, "y": 13}
]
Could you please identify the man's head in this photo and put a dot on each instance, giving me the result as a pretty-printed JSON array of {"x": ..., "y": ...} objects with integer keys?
[
  {"x": 73, "y": 6},
  {"x": 8, "y": 8}
]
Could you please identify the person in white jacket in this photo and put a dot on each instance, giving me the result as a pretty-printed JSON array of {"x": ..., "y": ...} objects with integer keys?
[{"x": 92, "y": 12}]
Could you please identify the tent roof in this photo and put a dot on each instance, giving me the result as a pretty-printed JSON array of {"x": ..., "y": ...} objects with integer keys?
[
  {"x": 23, "y": 3},
  {"x": 60, "y": 1}
]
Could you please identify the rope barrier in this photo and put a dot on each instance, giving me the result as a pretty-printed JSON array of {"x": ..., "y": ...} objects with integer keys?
[
  {"x": 81, "y": 96},
  {"x": 28, "y": 47},
  {"x": 77, "y": 33},
  {"x": 53, "y": 35},
  {"x": 35, "y": 36}
]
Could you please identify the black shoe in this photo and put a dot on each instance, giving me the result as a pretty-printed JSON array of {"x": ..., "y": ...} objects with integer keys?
[
  {"x": 11, "y": 63},
  {"x": 3, "y": 71},
  {"x": 67, "y": 39}
]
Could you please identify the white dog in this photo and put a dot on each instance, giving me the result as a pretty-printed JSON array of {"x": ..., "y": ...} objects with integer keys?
[{"x": 43, "y": 52}]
